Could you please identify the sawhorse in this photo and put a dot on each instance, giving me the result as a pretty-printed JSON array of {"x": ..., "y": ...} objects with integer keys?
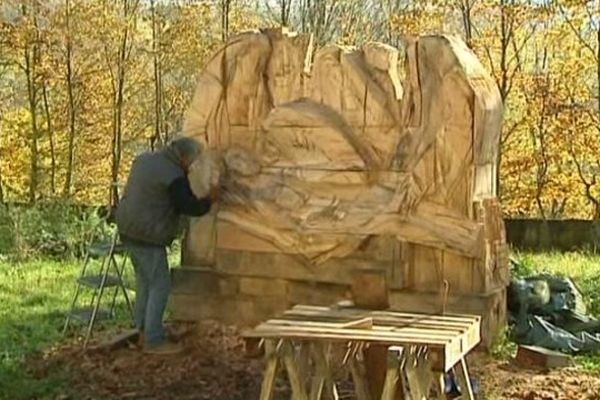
[{"x": 421, "y": 349}]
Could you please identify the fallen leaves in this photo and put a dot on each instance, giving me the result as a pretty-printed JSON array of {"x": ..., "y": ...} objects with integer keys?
[{"x": 214, "y": 367}]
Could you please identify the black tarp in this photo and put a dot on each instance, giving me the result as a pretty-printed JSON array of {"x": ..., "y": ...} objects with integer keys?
[{"x": 549, "y": 311}]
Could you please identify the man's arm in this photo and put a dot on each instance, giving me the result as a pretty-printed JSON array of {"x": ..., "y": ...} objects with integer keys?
[{"x": 184, "y": 200}]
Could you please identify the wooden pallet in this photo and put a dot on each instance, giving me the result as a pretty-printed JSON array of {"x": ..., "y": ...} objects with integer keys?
[{"x": 421, "y": 349}]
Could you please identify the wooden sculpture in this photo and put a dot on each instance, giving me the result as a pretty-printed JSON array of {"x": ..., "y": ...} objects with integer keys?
[{"x": 332, "y": 164}]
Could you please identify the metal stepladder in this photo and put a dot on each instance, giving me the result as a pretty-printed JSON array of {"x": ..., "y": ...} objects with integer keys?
[{"x": 109, "y": 275}]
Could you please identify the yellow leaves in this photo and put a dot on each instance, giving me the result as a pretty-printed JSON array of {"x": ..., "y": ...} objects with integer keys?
[
  {"x": 539, "y": 53},
  {"x": 418, "y": 18}
]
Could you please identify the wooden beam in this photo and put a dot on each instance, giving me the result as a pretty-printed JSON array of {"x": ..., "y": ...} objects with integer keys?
[
  {"x": 270, "y": 374},
  {"x": 464, "y": 380},
  {"x": 294, "y": 375},
  {"x": 118, "y": 341},
  {"x": 323, "y": 385},
  {"x": 392, "y": 376},
  {"x": 359, "y": 377},
  {"x": 362, "y": 323}
]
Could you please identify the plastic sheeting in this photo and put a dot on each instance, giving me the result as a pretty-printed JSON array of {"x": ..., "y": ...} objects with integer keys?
[{"x": 549, "y": 311}]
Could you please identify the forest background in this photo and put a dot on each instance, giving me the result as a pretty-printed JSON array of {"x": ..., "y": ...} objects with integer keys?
[{"x": 85, "y": 85}]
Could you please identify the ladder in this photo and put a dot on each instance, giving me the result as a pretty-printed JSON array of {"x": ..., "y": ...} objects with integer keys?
[{"x": 108, "y": 275}]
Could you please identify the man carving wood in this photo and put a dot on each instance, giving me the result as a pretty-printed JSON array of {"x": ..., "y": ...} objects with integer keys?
[{"x": 157, "y": 194}]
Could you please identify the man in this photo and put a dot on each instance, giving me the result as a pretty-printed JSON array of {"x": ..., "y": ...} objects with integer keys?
[{"x": 157, "y": 193}]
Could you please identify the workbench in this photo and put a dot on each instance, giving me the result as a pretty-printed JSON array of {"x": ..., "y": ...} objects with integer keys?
[{"x": 314, "y": 344}]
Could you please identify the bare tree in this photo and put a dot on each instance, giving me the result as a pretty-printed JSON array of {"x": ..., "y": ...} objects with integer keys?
[
  {"x": 118, "y": 75},
  {"x": 281, "y": 12},
  {"x": 71, "y": 105},
  {"x": 513, "y": 31},
  {"x": 31, "y": 59},
  {"x": 4, "y": 66},
  {"x": 466, "y": 9},
  {"x": 158, "y": 80},
  {"x": 587, "y": 33},
  {"x": 225, "y": 10},
  {"x": 319, "y": 17},
  {"x": 50, "y": 133}
]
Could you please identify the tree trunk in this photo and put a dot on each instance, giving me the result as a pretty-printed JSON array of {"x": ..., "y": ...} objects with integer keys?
[
  {"x": 31, "y": 56},
  {"x": 158, "y": 118},
  {"x": 2, "y": 195},
  {"x": 51, "y": 137},
  {"x": 598, "y": 74},
  {"x": 503, "y": 84},
  {"x": 118, "y": 99},
  {"x": 71, "y": 105},
  {"x": 285, "y": 12},
  {"x": 225, "y": 19},
  {"x": 465, "y": 7}
]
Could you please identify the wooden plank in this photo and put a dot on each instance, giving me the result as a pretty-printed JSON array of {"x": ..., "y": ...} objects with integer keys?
[
  {"x": 413, "y": 376},
  {"x": 118, "y": 341},
  {"x": 362, "y": 323},
  {"x": 383, "y": 337},
  {"x": 490, "y": 306},
  {"x": 270, "y": 374},
  {"x": 318, "y": 293},
  {"x": 461, "y": 275},
  {"x": 428, "y": 225},
  {"x": 439, "y": 383},
  {"x": 200, "y": 240},
  {"x": 386, "y": 322},
  {"x": 420, "y": 332},
  {"x": 192, "y": 280},
  {"x": 239, "y": 310},
  {"x": 359, "y": 377},
  {"x": 323, "y": 385},
  {"x": 294, "y": 375},
  {"x": 464, "y": 380},
  {"x": 285, "y": 266},
  {"x": 427, "y": 273},
  {"x": 392, "y": 375},
  {"x": 303, "y": 362},
  {"x": 534, "y": 356},
  {"x": 392, "y": 314},
  {"x": 230, "y": 237}
]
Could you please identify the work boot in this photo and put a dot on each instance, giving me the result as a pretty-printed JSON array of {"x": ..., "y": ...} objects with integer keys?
[{"x": 164, "y": 349}]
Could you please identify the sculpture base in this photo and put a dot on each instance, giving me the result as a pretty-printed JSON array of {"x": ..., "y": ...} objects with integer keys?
[{"x": 204, "y": 293}]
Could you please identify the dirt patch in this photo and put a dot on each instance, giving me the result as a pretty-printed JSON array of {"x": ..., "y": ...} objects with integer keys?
[
  {"x": 214, "y": 367},
  {"x": 505, "y": 380}
]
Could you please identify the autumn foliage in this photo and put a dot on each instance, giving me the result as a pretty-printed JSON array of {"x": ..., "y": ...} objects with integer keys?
[{"x": 87, "y": 84}]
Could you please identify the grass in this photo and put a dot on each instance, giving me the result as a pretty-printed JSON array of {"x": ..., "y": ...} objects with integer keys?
[
  {"x": 33, "y": 303},
  {"x": 35, "y": 297},
  {"x": 34, "y": 300}
]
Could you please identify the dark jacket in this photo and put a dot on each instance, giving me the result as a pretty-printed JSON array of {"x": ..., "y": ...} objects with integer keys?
[{"x": 156, "y": 194}]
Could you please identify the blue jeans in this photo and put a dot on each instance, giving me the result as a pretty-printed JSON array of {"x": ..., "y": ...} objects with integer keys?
[{"x": 153, "y": 284}]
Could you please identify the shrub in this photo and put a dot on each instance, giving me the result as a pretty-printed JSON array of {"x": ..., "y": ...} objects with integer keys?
[{"x": 54, "y": 229}]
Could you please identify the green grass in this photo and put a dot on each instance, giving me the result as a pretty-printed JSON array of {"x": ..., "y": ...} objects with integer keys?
[
  {"x": 35, "y": 297},
  {"x": 33, "y": 303},
  {"x": 34, "y": 300}
]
